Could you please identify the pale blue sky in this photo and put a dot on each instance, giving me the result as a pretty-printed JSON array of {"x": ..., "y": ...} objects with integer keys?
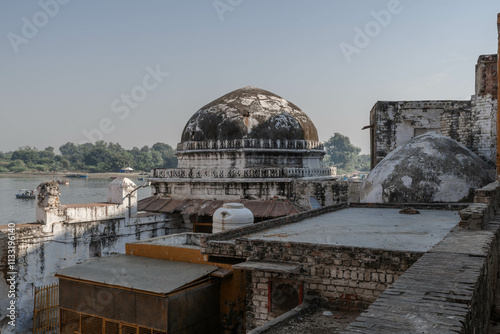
[{"x": 67, "y": 78}]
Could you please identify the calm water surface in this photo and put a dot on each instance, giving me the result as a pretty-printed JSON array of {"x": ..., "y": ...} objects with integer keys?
[{"x": 78, "y": 191}]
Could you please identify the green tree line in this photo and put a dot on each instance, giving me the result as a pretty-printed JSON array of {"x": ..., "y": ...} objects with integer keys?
[{"x": 97, "y": 157}]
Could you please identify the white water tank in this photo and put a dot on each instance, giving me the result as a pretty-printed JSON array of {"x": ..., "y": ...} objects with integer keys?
[{"x": 231, "y": 215}]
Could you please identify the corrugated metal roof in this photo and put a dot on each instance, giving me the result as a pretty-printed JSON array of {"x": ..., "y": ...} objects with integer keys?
[
  {"x": 260, "y": 209},
  {"x": 138, "y": 273}
]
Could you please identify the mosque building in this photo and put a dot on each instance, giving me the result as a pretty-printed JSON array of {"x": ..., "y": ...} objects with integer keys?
[{"x": 249, "y": 146}]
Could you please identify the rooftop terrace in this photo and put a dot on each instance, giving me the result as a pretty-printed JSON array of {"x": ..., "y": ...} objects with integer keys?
[{"x": 368, "y": 228}]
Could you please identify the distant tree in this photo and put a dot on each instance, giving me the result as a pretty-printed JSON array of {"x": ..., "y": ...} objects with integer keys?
[
  {"x": 17, "y": 166},
  {"x": 65, "y": 164},
  {"x": 68, "y": 149},
  {"x": 28, "y": 155},
  {"x": 115, "y": 147},
  {"x": 341, "y": 152},
  {"x": 363, "y": 162},
  {"x": 167, "y": 154}
]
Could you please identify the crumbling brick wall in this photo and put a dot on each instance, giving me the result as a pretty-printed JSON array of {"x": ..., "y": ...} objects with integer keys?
[{"x": 486, "y": 76}]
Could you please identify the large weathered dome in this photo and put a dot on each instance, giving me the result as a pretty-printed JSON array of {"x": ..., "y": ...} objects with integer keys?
[
  {"x": 430, "y": 168},
  {"x": 249, "y": 113}
]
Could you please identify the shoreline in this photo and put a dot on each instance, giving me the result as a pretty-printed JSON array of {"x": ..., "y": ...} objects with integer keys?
[{"x": 63, "y": 175}]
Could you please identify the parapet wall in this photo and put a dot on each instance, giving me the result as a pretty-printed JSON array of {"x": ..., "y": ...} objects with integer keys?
[
  {"x": 210, "y": 243},
  {"x": 449, "y": 289},
  {"x": 485, "y": 208}
]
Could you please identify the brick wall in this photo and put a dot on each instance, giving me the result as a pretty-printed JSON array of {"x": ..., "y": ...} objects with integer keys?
[{"x": 347, "y": 278}]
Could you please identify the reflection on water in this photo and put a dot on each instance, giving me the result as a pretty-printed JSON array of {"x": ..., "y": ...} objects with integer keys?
[{"x": 78, "y": 191}]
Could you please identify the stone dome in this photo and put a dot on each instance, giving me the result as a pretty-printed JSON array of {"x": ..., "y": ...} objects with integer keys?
[
  {"x": 249, "y": 113},
  {"x": 429, "y": 168}
]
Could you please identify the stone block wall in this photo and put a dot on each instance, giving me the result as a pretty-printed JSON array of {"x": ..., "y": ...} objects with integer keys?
[
  {"x": 450, "y": 289},
  {"x": 472, "y": 123},
  {"x": 485, "y": 207},
  {"x": 483, "y": 127},
  {"x": 326, "y": 192},
  {"x": 346, "y": 278}
]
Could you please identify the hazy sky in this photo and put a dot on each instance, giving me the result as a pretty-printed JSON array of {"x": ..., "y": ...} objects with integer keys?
[{"x": 134, "y": 72}]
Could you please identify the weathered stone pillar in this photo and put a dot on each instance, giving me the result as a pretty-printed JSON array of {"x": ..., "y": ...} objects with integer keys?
[{"x": 48, "y": 208}]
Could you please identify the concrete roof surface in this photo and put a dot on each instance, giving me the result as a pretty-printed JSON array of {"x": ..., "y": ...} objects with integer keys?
[
  {"x": 368, "y": 228},
  {"x": 138, "y": 273}
]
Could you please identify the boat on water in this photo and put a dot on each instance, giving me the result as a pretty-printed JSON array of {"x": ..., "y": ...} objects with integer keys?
[
  {"x": 65, "y": 182},
  {"x": 77, "y": 175},
  {"x": 26, "y": 194}
]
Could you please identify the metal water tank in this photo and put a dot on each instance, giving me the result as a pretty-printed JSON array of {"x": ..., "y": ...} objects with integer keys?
[{"x": 231, "y": 215}]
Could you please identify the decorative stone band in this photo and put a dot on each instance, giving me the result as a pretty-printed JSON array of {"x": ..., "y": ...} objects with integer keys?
[
  {"x": 210, "y": 173},
  {"x": 250, "y": 143}
]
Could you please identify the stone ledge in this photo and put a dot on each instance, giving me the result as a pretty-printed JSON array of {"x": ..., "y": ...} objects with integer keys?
[
  {"x": 485, "y": 207},
  {"x": 474, "y": 217}
]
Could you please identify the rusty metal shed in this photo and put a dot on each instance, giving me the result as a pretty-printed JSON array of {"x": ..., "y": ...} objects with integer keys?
[{"x": 124, "y": 293}]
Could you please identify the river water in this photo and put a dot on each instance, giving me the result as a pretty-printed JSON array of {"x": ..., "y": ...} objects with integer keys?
[{"x": 79, "y": 190}]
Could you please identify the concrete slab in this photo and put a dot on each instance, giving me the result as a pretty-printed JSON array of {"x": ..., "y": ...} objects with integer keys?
[
  {"x": 138, "y": 273},
  {"x": 368, "y": 228}
]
